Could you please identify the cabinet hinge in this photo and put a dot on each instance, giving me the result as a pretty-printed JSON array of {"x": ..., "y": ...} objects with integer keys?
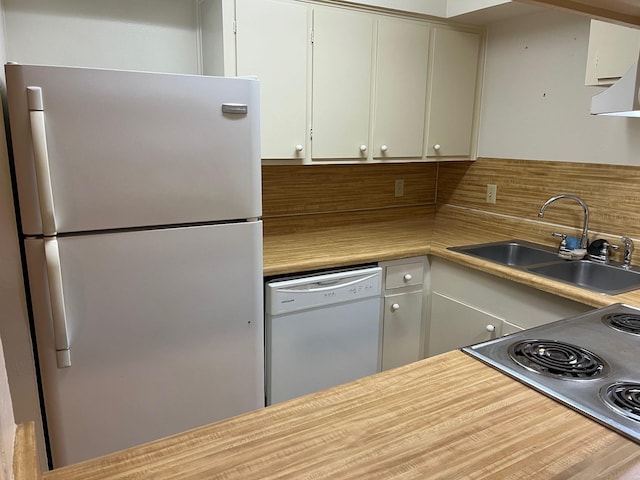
[
  {"x": 234, "y": 27},
  {"x": 311, "y": 134},
  {"x": 311, "y": 36}
]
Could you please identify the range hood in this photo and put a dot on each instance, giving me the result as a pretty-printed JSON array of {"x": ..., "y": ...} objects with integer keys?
[{"x": 621, "y": 98}]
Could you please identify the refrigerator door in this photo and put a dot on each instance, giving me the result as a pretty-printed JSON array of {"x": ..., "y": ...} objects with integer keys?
[
  {"x": 165, "y": 333},
  {"x": 129, "y": 149}
]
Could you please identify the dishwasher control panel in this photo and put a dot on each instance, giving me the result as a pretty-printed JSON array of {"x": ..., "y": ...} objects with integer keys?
[{"x": 283, "y": 296}]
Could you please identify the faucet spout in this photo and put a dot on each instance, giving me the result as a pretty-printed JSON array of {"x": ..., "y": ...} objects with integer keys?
[{"x": 584, "y": 241}]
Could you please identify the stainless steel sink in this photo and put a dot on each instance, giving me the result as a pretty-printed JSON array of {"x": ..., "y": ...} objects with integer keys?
[
  {"x": 597, "y": 277},
  {"x": 544, "y": 261},
  {"x": 515, "y": 253}
]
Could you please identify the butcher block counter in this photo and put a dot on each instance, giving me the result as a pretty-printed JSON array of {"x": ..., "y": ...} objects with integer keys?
[{"x": 444, "y": 417}]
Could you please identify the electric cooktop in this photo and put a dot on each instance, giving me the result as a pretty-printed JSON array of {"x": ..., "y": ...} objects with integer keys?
[{"x": 590, "y": 362}]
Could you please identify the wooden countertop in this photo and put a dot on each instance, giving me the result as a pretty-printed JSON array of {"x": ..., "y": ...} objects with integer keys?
[
  {"x": 346, "y": 244},
  {"x": 355, "y": 243},
  {"x": 412, "y": 422}
]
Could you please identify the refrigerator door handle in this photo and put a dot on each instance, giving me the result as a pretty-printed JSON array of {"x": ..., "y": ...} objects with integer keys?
[
  {"x": 41, "y": 158},
  {"x": 56, "y": 296}
]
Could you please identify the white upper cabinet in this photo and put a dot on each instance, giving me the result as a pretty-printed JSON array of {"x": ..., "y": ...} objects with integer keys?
[
  {"x": 346, "y": 85},
  {"x": 400, "y": 88},
  {"x": 452, "y": 92},
  {"x": 273, "y": 41},
  {"x": 612, "y": 50},
  {"x": 369, "y": 86},
  {"x": 342, "y": 60}
]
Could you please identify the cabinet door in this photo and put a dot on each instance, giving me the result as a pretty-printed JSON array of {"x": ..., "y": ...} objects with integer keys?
[
  {"x": 402, "y": 329},
  {"x": 452, "y": 92},
  {"x": 273, "y": 39},
  {"x": 342, "y": 59},
  {"x": 455, "y": 325},
  {"x": 401, "y": 88},
  {"x": 612, "y": 50},
  {"x": 509, "y": 328}
]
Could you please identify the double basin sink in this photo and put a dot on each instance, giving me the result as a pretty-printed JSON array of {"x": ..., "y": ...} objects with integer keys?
[{"x": 541, "y": 260}]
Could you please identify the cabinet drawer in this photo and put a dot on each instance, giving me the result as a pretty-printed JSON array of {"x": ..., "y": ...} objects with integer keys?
[{"x": 404, "y": 275}]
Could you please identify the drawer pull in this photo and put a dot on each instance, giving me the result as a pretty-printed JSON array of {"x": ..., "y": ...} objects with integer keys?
[
  {"x": 407, "y": 277},
  {"x": 395, "y": 307}
]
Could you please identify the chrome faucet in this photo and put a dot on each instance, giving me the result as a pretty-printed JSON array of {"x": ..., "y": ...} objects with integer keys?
[
  {"x": 628, "y": 250},
  {"x": 584, "y": 241}
]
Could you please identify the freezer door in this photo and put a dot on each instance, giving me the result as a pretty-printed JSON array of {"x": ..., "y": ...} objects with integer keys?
[
  {"x": 165, "y": 334},
  {"x": 129, "y": 149}
]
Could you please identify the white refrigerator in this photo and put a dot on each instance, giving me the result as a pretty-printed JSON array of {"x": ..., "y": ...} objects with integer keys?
[{"x": 139, "y": 206}]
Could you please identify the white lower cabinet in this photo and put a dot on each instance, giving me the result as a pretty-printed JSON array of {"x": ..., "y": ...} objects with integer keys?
[
  {"x": 402, "y": 326},
  {"x": 508, "y": 328},
  {"x": 457, "y": 325},
  {"x": 403, "y": 322},
  {"x": 468, "y": 306}
]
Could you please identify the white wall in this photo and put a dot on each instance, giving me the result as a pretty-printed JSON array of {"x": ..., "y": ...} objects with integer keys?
[
  {"x": 535, "y": 105},
  {"x": 151, "y": 35},
  {"x": 7, "y": 424}
]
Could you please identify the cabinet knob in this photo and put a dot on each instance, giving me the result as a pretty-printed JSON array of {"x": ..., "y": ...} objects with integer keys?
[
  {"x": 407, "y": 277},
  {"x": 384, "y": 148},
  {"x": 395, "y": 307},
  {"x": 437, "y": 147},
  {"x": 363, "y": 148},
  {"x": 299, "y": 148},
  {"x": 490, "y": 328}
]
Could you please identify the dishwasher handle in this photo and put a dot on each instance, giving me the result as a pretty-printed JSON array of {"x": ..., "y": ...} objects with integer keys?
[
  {"x": 326, "y": 285},
  {"x": 285, "y": 296}
]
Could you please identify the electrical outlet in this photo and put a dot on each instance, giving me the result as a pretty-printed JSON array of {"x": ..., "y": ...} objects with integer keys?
[
  {"x": 399, "y": 192},
  {"x": 492, "y": 192}
]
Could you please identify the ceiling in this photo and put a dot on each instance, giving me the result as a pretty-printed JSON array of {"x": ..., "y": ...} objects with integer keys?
[{"x": 624, "y": 12}]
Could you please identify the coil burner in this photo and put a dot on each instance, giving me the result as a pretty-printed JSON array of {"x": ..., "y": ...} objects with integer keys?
[
  {"x": 600, "y": 378},
  {"x": 623, "y": 322},
  {"x": 623, "y": 398},
  {"x": 558, "y": 359}
]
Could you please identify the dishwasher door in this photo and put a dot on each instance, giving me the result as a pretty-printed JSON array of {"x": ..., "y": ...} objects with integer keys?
[{"x": 322, "y": 331}]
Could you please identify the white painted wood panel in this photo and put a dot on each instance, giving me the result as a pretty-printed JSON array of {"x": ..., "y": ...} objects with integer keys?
[
  {"x": 612, "y": 50},
  {"x": 217, "y": 37},
  {"x": 452, "y": 92},
  {"x": 523, "y": 306},
  {"x": 455, "y": 325},
  {"x": 272, "y": 43},
  {"x": 401, "y": 86},
  {"x": 342, "y": 58},
  {"x": 402, "y": 329}
]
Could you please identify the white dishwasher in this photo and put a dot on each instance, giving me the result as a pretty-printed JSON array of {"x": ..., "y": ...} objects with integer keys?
[{"x": 321, "y": 331}]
